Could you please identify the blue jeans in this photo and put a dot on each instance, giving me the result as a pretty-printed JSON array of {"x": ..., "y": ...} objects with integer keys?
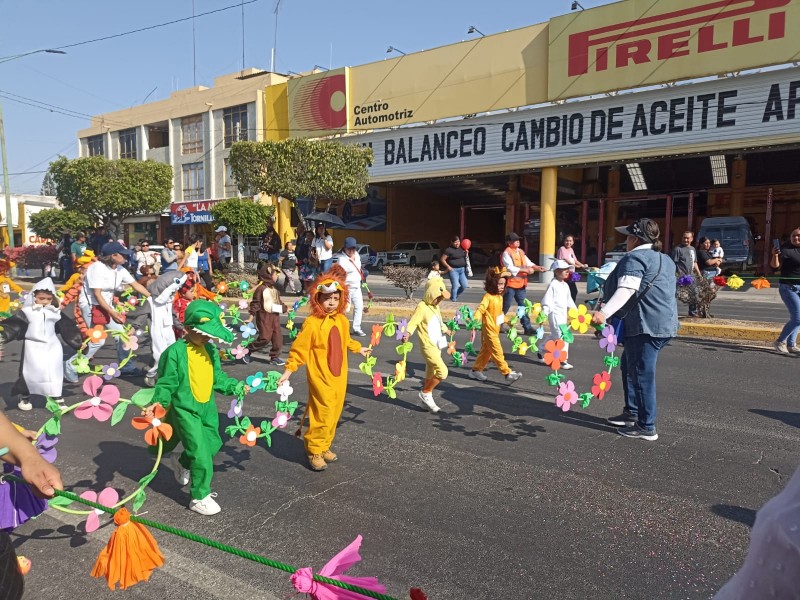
[
  {"x": 516, "y": 295},
  {"x": 325, "y": 265},
  {"x": 792, "y": 301},
  {"x": 638, "y": 366},
  {"x": 458, "y": 281}
]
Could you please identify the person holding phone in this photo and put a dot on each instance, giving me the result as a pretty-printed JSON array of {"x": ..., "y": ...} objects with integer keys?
[{"x": 786, "y": 257}]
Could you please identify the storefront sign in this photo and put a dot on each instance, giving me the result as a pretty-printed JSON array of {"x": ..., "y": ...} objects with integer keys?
[
  {"x": 729, "y": 113},
  {"x": 318, "y": 104},
  {"x": 190, "y": 213},
  {"x": 639, "y": 43}
]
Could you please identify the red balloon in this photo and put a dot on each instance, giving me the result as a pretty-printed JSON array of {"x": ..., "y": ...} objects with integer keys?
[{"x": 466, "y": 244}]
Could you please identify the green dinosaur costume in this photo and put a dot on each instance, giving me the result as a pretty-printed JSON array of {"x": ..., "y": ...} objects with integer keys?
[{"x": 188, "y": 376}]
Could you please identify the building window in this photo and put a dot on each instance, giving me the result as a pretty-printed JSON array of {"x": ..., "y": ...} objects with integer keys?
[
  {"x": 231, "y": 191},
  {"x": 193, "y": 181},
  {"x": 94, "y": 145},
  {"x": 192, "y": 134},
  {"x": 127, "y": 144},
  {"x": 235, "y": 119}
]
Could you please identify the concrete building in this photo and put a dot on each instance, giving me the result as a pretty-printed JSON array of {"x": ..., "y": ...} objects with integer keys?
[
  {"x": 22, "y": 207},
  {"x": 192, "y": 131}
]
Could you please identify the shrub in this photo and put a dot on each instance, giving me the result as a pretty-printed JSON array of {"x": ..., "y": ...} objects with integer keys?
[
  {"x": 32, "y": 257},
  {"x": 237, "y": 273},
  {"x": 697, "y": 291},
  {"x": 407, "y": 279}
]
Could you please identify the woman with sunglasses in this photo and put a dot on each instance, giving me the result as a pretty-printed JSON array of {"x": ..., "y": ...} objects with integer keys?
[{"x": 144, "y": 257}]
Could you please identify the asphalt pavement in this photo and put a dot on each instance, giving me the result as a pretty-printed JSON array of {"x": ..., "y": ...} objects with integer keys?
[{"x": 500, "y": 495}]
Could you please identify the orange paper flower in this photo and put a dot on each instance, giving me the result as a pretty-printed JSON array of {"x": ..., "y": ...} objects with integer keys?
[
  {"x": 250, "y": 436},
  {"x": 377, "y": 330},
  {"x": 156, "y": 428},
  {"x": 761, "y": 283},
  {"x": 222, "y": 287},
  {"x": 451, "y": 348},
  {"x": 554, "y": 354},
  {"x": 97, "y": 333}
]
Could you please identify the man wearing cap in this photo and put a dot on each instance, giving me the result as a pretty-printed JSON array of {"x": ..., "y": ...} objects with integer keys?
[
  {"x": 224, "y": 248},
  {"x": 103, "y": 278},
  {"x": 520, "y": 266},
  {"x": 350, "y": 261},
  {"x": 641, "y": 298}
]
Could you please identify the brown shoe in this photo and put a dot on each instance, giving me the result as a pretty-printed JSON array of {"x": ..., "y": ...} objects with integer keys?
[
  {"x": 317, "y": 462},
  {"x": 329, "y": 456}
]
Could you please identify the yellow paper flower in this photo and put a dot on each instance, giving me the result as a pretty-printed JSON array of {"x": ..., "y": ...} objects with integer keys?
[
  {"x": 536, "y": 309},
  {"x": 735, "y": 282},
  {"x": 523, "y": 348},
  {"x": 400, "y": 371},
  {"x": 579, "y": 319}
]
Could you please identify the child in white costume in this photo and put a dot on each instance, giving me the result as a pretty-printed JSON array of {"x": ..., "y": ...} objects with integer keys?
[
  {"x": 162, "y": 292},
  {"x": 42, "y": 365},
  {"x": 556, "y": 303}
]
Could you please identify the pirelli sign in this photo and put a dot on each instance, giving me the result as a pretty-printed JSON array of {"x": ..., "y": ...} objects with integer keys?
[{"x": 638, "y": 43}]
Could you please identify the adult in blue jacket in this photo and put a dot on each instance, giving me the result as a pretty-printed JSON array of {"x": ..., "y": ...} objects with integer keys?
[{"x": 641, "y": 295}]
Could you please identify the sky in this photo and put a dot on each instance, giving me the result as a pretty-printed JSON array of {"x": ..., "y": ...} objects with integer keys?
[{"x": 117, "y": 73}]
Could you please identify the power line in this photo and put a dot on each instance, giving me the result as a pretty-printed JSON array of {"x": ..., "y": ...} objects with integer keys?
[{"x": 141, "y": 29}]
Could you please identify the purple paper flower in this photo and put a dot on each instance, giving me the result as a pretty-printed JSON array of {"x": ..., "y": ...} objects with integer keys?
[
  {"x": 110, "y": 371},
  {"x": 685, "y": 280},
  {"x": 575, "y": 277},
  {"x": 46, "y": 445},
  {"x": 402, "y": 329},
  {"x": 609, "y": 340},
  {"x": 222, "y": 306},
  {"x": 236, "y": 409},
  {"x": 243, "y": 304}
]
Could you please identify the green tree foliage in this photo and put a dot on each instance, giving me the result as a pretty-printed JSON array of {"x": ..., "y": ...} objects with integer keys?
[
  {"x": 53, "y": 222},
  {"x": 48, "y": 185},
  {"x": 108, "y": 191},
  {"x": 296, "y": 168},
  {"x": 243, "y": 216}
]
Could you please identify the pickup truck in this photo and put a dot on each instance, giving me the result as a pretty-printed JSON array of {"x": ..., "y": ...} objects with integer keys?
[{"x": 410, "y": 254}]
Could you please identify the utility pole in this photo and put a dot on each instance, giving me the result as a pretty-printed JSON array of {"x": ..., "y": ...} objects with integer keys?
[{"x": 6, "y": 188}]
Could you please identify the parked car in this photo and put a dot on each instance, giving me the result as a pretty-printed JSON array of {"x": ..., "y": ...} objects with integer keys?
[
  {"x": 734, "y": 236},
  {"x": 478, "y": 257},
  {"x": 410, "y": 254},
  {"x": 369, "y": 257},
  {"x": 617, "y": 252}
]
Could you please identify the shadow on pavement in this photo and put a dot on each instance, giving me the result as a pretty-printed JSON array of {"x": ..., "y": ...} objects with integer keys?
[
  {"x": 790, "y": 418},
  {"x": 745, "y": 516}
]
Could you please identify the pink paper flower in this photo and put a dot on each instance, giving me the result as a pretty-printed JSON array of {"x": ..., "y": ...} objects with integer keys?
[
  {"x": 240, "y": 352},
  {"x": 108, "y": 497},
  {"x": 100, "y": 404},
  {"x": 243, "y": 304},
  {"x": 566, "y": 395},
  {"x": 132, "y": 344},
  {"x": 280, "y": 420}
]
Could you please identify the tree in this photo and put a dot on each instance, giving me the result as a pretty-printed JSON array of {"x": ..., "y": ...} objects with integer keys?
[
  {"x": 48, "y": 185},
  {"x": 242, "y": 216},
  {"x": 108, "y": 191},
  {"x": 407, "y": 279},
  {"x": 53, "y": 222},
  {"x": 296, "y": 168}
]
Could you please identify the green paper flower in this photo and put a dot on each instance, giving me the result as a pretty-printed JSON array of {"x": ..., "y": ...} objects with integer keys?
[
  {"x": 554, "y": 378},
  {"x": 611, "y": 361},
  {"x": 566, "y": 334},
  {"x": 585, "y": 398}
]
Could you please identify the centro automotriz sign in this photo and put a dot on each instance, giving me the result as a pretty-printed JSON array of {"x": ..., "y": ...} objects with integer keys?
[
  {"x": 713, "y": 116},
  {"x": 640, "y": 42}
]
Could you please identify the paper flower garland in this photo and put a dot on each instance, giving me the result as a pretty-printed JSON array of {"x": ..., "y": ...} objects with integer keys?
[{"x": 243, "y": 427}]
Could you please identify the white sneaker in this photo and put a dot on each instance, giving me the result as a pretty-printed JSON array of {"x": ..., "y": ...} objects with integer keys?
[
  {"x": 182, "y": 476},
  {"x": 478, "y": 375},
  {"x": 427, "y": 400},
  {"x": 566, "y": 366},
  {"x": 794, "y": 350},
  {"x": 359, "y": 333},
  {"x": 69, "y": 373},
  {"x": 149, "y": 381},
  {"x": 207, "y": 506},
  {"x": 25, "y": 403},
  {"x": 512, "y": 377},
  {"x": 781, "y": 347},
  {"x": 538, "y": 358}
]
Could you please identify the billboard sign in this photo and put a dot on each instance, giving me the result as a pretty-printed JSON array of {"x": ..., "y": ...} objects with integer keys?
[
  {"x": 191, "y": 213},
  {"x": 638, "y": 43},
  {"x": 318, "y": 103}
]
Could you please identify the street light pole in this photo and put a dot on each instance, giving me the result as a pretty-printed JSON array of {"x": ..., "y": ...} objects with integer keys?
[{"x": 6, "y": 188}]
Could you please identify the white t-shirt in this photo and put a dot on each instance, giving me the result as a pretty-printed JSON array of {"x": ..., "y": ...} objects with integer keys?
[
  {"x": 557, "y": 301},
  {"x": 191, "y": 258},
  {"x": 353, "y": 269},
  {"x": 108, "y": 280},
  {"x": 145, "y": 259},
  {"x": 323, "y": 253},
  {"x": 224, "y": 252}
]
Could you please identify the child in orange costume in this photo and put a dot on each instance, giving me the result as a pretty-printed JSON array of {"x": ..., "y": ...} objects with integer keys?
[
  {"x": 321, "y": 345},
  {"x": 490, "y": 312}
]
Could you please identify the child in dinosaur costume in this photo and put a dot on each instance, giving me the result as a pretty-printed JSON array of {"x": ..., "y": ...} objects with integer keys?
[
  {"x": 322, "y": 346},
  {"x": 431, "y": 330},
  {"x": 189, "y": 373},
  {"x": 490, "y": 313}
]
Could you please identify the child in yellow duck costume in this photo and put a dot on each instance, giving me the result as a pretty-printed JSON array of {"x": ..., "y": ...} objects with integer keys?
[
  {"x": 322, "y": 346},
  {"x": 7, "y": 286},
  {"x": 431, "y": 330},
  {"x": 490, "y": 312}
]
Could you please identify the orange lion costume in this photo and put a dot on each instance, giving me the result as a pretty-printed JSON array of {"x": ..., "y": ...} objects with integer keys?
[{"x": 322, "y": 346}]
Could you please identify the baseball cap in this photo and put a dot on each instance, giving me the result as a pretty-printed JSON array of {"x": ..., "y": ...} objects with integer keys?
[
  {"x": 350, "y": 242},
  {"x": 559, "y": 264},
  {"x": 220, "y": 229},
  {"x": 512, "y": 237},
  {"x": 114, "y": 248},
  {"x": 635, "y": 229}
]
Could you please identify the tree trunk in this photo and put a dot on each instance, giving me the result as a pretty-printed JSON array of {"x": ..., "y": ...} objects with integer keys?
[{"x": 240, "y": 249}]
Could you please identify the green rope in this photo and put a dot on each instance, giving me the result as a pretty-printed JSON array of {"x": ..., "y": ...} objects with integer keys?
[{"x": 216, "y": 545}]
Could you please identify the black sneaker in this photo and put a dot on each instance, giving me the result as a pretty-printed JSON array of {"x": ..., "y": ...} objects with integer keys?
[
  {"x": 623, "y": 420},
  {"x": 638, "y": 432},
  {"x": 278, "y": 362},
  {"x": 530, "y": 331}
]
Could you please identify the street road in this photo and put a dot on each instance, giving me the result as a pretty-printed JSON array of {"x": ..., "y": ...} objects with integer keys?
[{"x": 500, "y": 495}]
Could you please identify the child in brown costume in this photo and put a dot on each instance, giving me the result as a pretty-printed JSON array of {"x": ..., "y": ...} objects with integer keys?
[{"x": 266, "y": 309}]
